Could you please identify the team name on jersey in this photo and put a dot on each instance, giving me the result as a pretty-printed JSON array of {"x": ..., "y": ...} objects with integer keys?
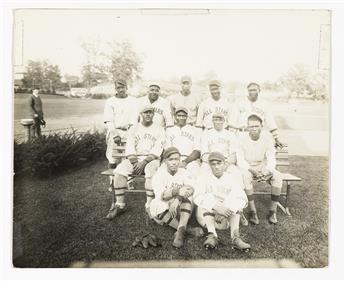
[
  {"x": 176, "y": 184},
  {"x": 216, "y": 109},
  {"x": 146, "y": 137},
  {"x": 158, "y": 110},
  {"x": 218, "y": 141}
]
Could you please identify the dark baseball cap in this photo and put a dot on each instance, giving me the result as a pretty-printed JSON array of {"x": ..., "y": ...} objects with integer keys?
[
  {"x": 121, "y": 82},
  {"x": 216, "y": 156},
  {"x": 169, "y": 151},
  {"x": 255, "y": 115}
]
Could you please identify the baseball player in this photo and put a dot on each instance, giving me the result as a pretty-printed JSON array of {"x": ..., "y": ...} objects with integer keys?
[
  {"x": 214, "y": 104},
  {"x": 160, "y": 105},
  {"x": 186, "y": 139},
  {"x": 173, "y": 188},
  {"x": 118, "y": 118},
  {"x": 143, "y": 148},
  {"x": 218, "y": 139},
  {"x": 220, "y": 198},
  {"x": 251, "y": 105},
  {"x": 185, "y": 98},
  {"x": 256, "y": 157}
]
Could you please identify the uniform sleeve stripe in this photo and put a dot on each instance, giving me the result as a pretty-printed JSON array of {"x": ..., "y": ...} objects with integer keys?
[
  {"x": 186, "y": 211},
  {"x": 208, "y": 214},
  {"x": 149, "y": 195},
  {"x": 161, "y": 216},
  {"x": 169, "y": 220}
]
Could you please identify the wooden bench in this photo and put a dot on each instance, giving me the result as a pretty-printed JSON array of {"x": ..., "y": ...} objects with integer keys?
[{"x": 282, "y": 157}]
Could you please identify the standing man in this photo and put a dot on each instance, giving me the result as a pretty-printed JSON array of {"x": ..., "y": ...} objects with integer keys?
[
  {"x": 185, "y": 98},
  {"x": 256, "y": 157},
  {"x": 251, "y": 105},
  {"x": 186, "y": 139},
  {"x": 36, "y": 111},
  {"x": 161, "y": 106},
  {"x": 173, "y": 188},
  {"x": 118, "y": 117},
  {"x": 220, "y": 198},
  {"x": 144, "y": 146},
  {"x": 214, "y": 104}
]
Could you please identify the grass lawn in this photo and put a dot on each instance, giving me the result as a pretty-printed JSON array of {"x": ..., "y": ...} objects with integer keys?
[{"x": 62, "y": 222}]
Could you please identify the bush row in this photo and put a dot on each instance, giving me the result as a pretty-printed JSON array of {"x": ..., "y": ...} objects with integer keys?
[{"x": 57, "y": 153}]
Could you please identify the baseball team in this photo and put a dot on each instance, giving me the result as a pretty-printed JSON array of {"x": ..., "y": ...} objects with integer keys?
[{"x": 198, "y": 157}]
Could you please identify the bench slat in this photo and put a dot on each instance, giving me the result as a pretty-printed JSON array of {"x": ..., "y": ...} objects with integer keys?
[{"x": 289, "y": 177}]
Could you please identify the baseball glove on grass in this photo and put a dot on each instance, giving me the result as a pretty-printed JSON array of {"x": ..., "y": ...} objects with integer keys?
[{"x": 147, "y": 240}]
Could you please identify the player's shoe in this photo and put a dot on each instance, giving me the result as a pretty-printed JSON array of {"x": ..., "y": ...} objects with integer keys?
[
  {"x": 272, "y": 217},
  {"x": 211, "y": 241},
  {"x": 114, "y": 211},
  {"x": 243, "y": 219},
  {"x": 179, "y": 237},
  {"x": 253, "y": 218},
  {"x": 239, "y": 244},
  {"x": 195, "y": 231}
]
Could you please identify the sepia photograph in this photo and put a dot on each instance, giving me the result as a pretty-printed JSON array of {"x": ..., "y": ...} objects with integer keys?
[{"x": 171, "y": 138}]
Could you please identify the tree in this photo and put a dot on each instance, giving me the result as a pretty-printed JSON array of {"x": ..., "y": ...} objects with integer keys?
[
  {"x": 42, "y": 74},
  {"x": 301, "y": 82},
  {"x": 117, "y": 60},
  {"x": 122, "y": 62}
]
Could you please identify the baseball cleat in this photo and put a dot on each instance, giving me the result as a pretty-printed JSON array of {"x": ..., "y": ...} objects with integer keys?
[
  {"x": 243, "y": 220},
  {"x": 179, "y": 237},
  {"x": 211, "y": 241},
  {"x": 253, "y": 218},
  {"x": 115, "y": 211},
  {"x": 239, "y": 244},
  {"x": 195, "y": 231},
  {"x": 272, "y": 217}
]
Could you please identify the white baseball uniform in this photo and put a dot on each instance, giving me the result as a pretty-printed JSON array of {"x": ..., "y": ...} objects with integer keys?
[
  {"x": 162, "y": 109},
  {"x": 245, "y": 108},
  {"x": 186, "y": 139},
  {"x": 190, "y": 102},
  {"x": 257, "y": 155},
  {"x": 141, "y": 142},
  {"x": 118, "y": 116},
  {"x": 210, "y": 106},
  {"x": 162, "y": 181},
  {"x": 226, "y": 191},
  {"x": 222, "y": 141}
]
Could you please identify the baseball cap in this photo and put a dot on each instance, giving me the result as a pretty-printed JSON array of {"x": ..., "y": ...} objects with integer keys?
[
  {"x": 169, "y": 151},
  {"x": 121, "y": 82},
  {"x": 214, "y": 83},
  {"x": 155, "y": 85},
  {"x": 186, "y": 78},
  {"x": 256, "y": 115},
  {"x": 147, "y": 108},
  {"x": 181, "y": 108},
  {"x": 216, "y": 156},
  {"x": 218, "y": 114}
]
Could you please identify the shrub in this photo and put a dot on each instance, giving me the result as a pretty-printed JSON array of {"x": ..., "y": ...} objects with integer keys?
[{"x": 56, "y": 153}]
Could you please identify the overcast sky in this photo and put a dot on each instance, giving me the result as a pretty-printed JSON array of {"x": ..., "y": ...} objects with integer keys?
[{"x": 238, "y": 45}]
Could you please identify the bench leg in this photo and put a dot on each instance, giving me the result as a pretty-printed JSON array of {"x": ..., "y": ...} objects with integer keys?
[{"x": 287, "y": 198}]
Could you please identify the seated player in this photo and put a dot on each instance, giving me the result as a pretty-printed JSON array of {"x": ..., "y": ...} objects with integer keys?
[
  {"x": 220, "y": 198},
  {"x": 256, "y": 157},
  {"x": 173, "y": 188},
  {"x": 186, "y": 139},
  {"x": 219, "y": 139},
  {"x": 144, "y": 146}
]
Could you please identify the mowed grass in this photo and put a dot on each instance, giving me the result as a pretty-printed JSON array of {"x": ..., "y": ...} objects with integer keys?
[{"x": 62, "y": 222}]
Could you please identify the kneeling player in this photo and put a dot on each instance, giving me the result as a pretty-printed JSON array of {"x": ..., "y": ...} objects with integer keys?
[
  {"x": 220, "y": 199},
  {"x": 173, "y": 189}
]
